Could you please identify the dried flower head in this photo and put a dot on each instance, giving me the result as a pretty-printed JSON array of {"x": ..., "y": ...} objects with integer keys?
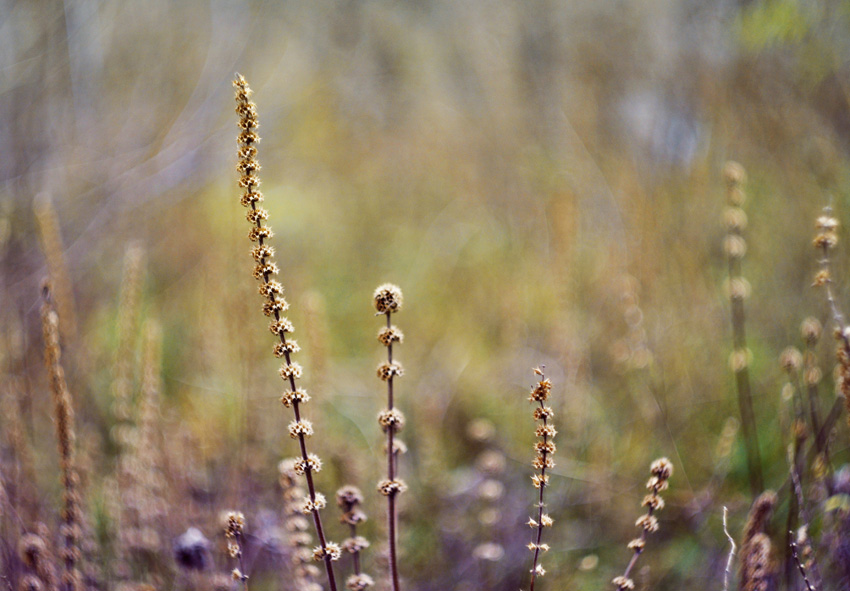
[
  {"x": 359, "y": 582},
  {"x": 389, "y": 335},
  {"x": 390, "y": 488},
  {"x": 348, "y": 496},
  {"x": 391, "y": 419},
  {"x": 234, "y": 524},
  {"x": 388, "y": 298},
  {"x": 387, "y": 370},
  {"x": 331, "y": 550}
]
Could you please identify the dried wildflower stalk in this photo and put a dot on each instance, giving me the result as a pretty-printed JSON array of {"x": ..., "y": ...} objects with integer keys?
[
  {"x": 796, "y": 555},
  {"x": 273, "y": 306},
  {"x": 142, "y": 508},
  {"x": 811, "y": 331},
  {"x": 661, "y": 470},
  {"x": 234, "y": 529},
  {"x": 70, "y": 529},
  {"x": 544, "y": 448},
  {"x": 825, "y": 240},
  {"x": 735, "y": 248},
  {"x": 388, "y": 300},
  {"x": 57, "y": 266},
  {"x": 349, "y": 498},
  {"x": 757, "y": 565},
  {"x": 304, "y": 572}
]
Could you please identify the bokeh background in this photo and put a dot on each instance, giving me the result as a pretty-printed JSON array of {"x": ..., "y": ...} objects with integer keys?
[{"x": 542, "y": 179}]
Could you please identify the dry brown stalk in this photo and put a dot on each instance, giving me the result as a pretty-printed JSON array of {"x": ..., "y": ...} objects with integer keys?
[
  {"x": 660, "y": 470},
  {"x": 544, "y": 449},
  {"x": 388, "y": 300},
  {"x": 70, "y": 530},
  {"x": 349, "y": 498},
  {"x": 757, "y": 564},
  {"x": 57, "y": 266},
  {"x": 273, "y": 306},
  {"x": 735, "y": 248}
]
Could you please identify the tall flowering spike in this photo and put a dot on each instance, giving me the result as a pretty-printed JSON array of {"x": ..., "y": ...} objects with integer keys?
[
  {"x": 735, "y": 247},
  {"x": 233, "y": 523},
  {"x": 825, "y": 240},
  {"x": 544, "y": 448},
  {"x": 64, "y": 417},
  {"x": 273, "y": 304},
  {"x": 388, "y": 300},
  {"x": 660, "y": 472},
  {"x": 349, "y": 498},
  {"x": 757, "y": 565}
]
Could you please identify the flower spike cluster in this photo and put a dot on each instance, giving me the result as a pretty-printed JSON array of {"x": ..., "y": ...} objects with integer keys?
[
  {"x": 234, "y": 528},
  {"x": 544, "y": 448},
  {"x": 388, "y": 300},
  {"x": 661, "y": 470},
  {"x": 273, "y": 306},
  {"x": 349, "y": 498}
]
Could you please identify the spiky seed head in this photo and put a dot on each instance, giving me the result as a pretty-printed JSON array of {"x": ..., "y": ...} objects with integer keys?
[
  {"x": 391, "y": 487},
  {"x": 825, "y": 240},
  {"x": 545, "y": 431},
  {"x": 540, "y": 481},
  {"x": 301, "y": 428},
  {"x": 387, "y": 298},
  {"x": 623, "y": 583},
  {"x": 826, "y": 223},
  {"x": 353, "y": 517},
  {"x": 290, "y": 371},
  {"x": 312, "y": 463},
  {"x": 811, "y": 329},
  {"x": 541, "y": 391},
  {"x": 637, "y": 544},
  {"x": 387, "y": 371},
  {"x": 234, "y": 524},
  {"x": 331, "y": 550},
  {"x": 311, "y": 505},
  {"x": 290, "y": 397},
  {"x": 648, "y": 523},
  {"x": 391, "y": 419},
  {"x": 348, "y": 496},
  {"x": 389, "y": 335},
  {"x": 355, "y": 544},
  {"x": 545, "y": 412},
  {"x": 359, "y": 582}
]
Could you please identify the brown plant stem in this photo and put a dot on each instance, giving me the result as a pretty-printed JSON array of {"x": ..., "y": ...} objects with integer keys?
[{"x": 391, "y": 508}]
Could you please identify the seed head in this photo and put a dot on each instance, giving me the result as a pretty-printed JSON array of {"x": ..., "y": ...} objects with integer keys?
[
  {"x": 359, "y": 582},
  {"x": 391, "y": 487},
  {"x": 388, "y": 298},
  {"x": 386, "y": 371}
]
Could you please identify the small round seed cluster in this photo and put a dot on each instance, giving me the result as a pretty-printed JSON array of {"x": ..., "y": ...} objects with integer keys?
[
  {"x": 388, "y": 298},
  {"x": 660, "y": 470}
]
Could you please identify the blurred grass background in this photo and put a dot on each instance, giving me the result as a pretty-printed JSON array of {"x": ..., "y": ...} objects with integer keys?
[{"x": 542, "y": 179}]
